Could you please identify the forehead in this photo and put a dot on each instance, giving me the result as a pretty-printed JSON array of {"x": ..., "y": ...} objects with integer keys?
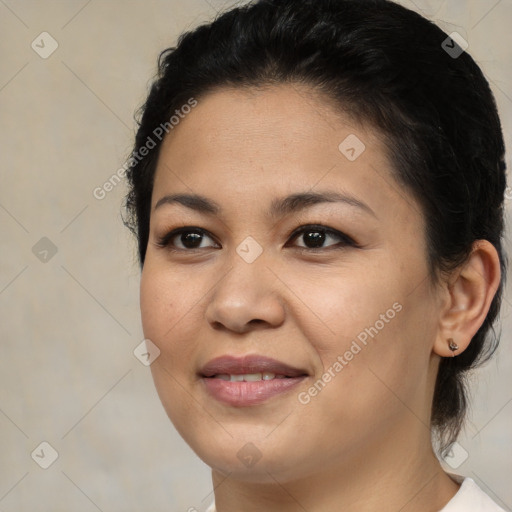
[
  {"x": 237, "y": 143},
  {"x": 243, "y": 119}
]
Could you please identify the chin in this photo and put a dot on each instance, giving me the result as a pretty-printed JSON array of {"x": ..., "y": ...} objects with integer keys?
[
  {"x": 246, "y": 457},
  {"x": 262, "y": 471}
]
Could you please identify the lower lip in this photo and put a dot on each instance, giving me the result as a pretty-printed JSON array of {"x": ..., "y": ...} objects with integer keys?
[{"x": 242, "y": 394}]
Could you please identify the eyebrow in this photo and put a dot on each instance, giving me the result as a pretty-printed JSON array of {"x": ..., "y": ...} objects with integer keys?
[{"x": 278, "y": 208}]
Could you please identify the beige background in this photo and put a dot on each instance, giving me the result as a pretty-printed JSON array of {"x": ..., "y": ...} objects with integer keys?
[{"x": 69, "y": 325}]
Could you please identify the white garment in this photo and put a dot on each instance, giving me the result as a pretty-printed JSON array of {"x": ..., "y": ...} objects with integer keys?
[{"x": 469, "y": 498}]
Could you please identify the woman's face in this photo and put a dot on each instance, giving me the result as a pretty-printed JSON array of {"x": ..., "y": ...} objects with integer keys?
[{"x": 332, "y": 329}]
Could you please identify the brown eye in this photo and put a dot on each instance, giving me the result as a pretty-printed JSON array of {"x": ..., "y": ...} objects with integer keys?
[
  {"x": 314, "y": 237},
  {"x": 188, "y": 237}
]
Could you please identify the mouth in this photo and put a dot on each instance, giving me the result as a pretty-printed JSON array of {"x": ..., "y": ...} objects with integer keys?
[
  {"x": 249, "y": 380},
  {"x": 249, "y": 377}
]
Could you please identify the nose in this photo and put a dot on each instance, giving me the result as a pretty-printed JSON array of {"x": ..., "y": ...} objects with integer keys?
[{"x": 246, "y": 298}]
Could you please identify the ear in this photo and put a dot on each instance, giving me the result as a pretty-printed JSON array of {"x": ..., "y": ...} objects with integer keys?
[{"x": 468, "y": 295}]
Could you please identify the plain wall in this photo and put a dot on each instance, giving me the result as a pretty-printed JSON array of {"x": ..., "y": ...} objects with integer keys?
[{"x": 69, "y": 325}]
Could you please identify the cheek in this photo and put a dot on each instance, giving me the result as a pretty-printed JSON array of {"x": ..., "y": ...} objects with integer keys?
[
  {"x": 166, "y": 299},
  {"x": 169, "y": 320},
  {"x": 170, "y": 306},
  {"x": 340, "y": 306},
  {"x": 372, "y": 332},
  {"x": 383, "y": 372},
  {"x": 155, "y": 299}
]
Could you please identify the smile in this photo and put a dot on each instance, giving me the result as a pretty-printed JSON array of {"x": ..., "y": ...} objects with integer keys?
[
  {"x": 248, "y": 380},
  {"x": 249, "y": 377}
]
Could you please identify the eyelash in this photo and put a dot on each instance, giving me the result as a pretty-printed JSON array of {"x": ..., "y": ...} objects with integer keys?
[{"x": 345, "y": 240}]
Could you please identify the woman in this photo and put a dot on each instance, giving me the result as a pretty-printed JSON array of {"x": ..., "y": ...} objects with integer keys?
[{"x": 317, "y": 191}]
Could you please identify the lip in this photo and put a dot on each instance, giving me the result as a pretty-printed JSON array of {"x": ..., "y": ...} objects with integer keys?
[
  {"x": 234, "y": 365},
  {"x": 242, "y": 394}
]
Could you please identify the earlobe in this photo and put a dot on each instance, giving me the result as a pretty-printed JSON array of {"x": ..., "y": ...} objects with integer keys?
[
  {"x": 448, "y": 347},
  {"x": 469, "y": 297},
  {"x": 452, "y": 346}
]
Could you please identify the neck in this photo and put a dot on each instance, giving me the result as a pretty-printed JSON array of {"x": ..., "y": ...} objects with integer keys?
[{"x": 386, "y": 477}]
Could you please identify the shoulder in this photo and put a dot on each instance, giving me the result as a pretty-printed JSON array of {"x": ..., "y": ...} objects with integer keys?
[{"x": 470, "y": 498}]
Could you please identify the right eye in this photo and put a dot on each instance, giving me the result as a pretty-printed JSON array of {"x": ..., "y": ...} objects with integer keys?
[{"x": 190, "y": 237}]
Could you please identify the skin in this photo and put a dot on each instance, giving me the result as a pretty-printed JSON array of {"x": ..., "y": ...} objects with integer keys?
[{"x": 364, "y": 439}]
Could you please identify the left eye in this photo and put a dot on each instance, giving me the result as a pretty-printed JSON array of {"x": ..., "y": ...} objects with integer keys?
[{"x": 315, "y": 236}]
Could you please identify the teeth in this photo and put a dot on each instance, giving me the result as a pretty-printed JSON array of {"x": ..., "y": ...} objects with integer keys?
[{"x": 249, "y": 377}]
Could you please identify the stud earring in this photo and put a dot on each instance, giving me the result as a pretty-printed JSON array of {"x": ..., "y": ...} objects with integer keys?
[{"x": 453, "y": 346}]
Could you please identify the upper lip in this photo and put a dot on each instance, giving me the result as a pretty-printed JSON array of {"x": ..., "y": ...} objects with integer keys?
[{"x": 239, "y": 365}]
